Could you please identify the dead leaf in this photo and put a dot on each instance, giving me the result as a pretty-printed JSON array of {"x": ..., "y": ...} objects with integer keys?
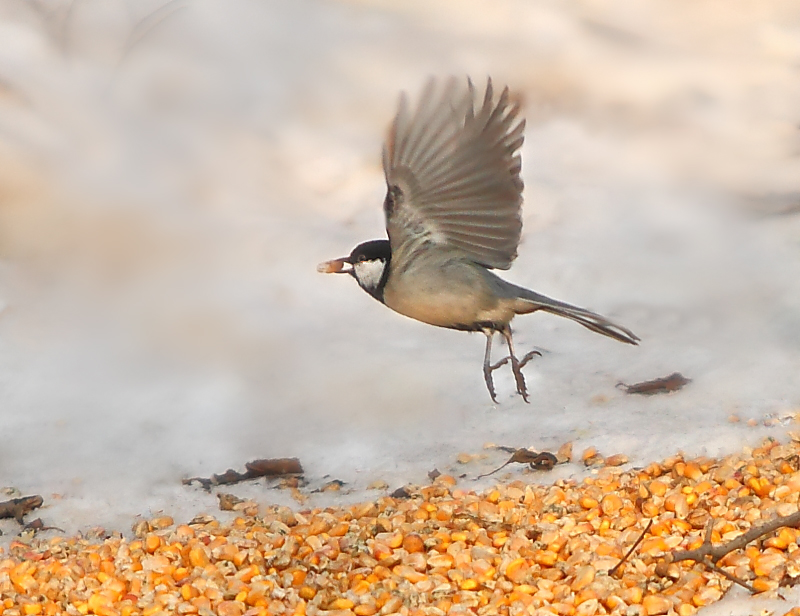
[
  {"x": 543, "y": 461},
  {"x": 664, "y": 385},
  {"x": 276, "y": 467},
  {"x": 17, "y": 508}
]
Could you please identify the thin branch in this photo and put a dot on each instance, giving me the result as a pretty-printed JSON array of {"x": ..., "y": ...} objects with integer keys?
[
  {"x": 636, "y": 543},
  {"x": 707, "y": 550},
  {"x": 708, "y": 554},
  {"x": 730, "y": 576},
  {"x": 709, "y": 531}
]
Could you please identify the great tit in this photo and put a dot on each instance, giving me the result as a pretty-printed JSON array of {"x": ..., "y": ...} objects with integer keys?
[{"x": 452, "y": 210}]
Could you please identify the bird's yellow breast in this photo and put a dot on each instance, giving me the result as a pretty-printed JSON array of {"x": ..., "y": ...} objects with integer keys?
[{"x": 446, "y": 295}]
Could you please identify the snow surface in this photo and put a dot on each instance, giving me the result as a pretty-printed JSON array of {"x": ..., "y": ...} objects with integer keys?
[{"x": 171, "y": 174}]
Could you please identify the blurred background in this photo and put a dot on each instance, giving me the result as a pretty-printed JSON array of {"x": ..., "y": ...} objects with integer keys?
[{"x": 171, "y": 174}]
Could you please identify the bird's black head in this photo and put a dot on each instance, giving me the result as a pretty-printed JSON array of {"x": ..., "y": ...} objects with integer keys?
[
  {"x": 369, "y": 266},
  {"x": 370, "y": 262}
]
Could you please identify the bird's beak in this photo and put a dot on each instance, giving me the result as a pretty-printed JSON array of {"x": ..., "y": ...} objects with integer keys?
[{"x": 336, "y": 266}]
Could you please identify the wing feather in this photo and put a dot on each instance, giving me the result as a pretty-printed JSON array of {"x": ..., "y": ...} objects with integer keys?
[{"x": 453, "y": 173}]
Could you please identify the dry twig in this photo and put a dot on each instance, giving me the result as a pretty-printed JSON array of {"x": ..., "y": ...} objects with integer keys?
[
  {"x": 636, "y": 543},
  {"x": 708, "y": 554},
  {"x": 714, "y": 553}
]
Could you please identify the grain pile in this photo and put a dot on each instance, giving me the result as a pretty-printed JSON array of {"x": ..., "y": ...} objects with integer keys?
[{"x": 512, "y": 550}]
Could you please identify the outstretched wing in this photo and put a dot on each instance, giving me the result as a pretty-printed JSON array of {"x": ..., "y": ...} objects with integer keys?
[{"x": 452, "y": 173}]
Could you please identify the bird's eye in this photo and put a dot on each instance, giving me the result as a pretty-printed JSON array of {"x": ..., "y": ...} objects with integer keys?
[{"x": 361, "y": 258}]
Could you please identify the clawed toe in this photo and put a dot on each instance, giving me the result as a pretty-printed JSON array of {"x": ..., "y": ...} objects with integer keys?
[
  {"x": 516, "y": 367},
  {"x": 519, "y": 379},
  {"x": 528, "y": 356},
  {"x": 487, "y": 375},
  {"x": 502, "y": 362}
]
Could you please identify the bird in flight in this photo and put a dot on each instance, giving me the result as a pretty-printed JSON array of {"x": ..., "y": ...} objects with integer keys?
[{"x": 452, "y": 207}]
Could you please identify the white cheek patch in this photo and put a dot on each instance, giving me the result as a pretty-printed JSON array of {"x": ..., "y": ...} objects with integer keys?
[{"x": 369, "y": 273}]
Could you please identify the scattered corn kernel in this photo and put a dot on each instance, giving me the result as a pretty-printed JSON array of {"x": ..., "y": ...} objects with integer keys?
[{"x": 516, "y": 548}]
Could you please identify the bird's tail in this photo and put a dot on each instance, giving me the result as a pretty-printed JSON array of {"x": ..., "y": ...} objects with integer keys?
[{"x": 530, "y": 301}]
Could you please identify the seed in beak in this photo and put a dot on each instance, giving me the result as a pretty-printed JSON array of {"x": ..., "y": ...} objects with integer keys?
[{"x": 336, "y": 266}]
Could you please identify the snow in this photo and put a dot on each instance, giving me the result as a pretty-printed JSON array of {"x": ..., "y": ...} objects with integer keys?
[{"x": 170, "y": 178}]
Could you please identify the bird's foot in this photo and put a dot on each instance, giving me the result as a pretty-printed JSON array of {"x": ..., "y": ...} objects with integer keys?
[
  {"x": 487, "y": 375},
  {"x": 516, "y": 367}
]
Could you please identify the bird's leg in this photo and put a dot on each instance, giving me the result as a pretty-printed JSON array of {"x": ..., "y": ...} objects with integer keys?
[
  {"x": 488, "y": 368},
  {"x": 516, "y": 365}
]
